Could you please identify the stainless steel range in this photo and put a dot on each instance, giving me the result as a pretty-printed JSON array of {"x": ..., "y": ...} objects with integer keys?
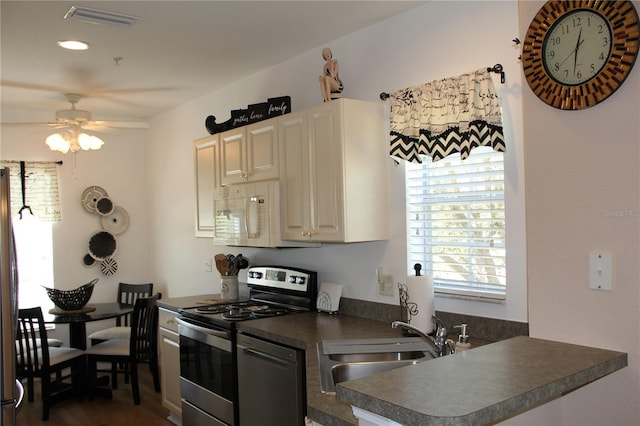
[{"x": 208, "y": 341}]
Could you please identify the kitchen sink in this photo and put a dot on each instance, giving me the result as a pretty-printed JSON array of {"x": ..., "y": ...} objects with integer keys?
[
  {"x": 350, "y": 359},
  {"x": 379, "y": 356}
]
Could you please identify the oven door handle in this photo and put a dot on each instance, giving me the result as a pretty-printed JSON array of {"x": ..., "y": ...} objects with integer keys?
[
  {"x": 219, "y": 339},
  {"x": 274, "y": 359},
  {"x": 209, "y": 331}
]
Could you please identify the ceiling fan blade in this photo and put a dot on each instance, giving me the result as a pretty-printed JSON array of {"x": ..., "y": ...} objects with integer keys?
[
  {"x": 102, "y": 129},
  {"x": 52, "y": 124},
  {"x": 120, "y": 124}
]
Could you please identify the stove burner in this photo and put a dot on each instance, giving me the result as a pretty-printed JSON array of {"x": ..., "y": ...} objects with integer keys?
[
  {"x": 236, "y": 313},
  {"x": 215, "y": 309},
  {"x": 270, "y": 312},
  {"x": 255, "y": 308},
  {"x": 240, "y": 312}
]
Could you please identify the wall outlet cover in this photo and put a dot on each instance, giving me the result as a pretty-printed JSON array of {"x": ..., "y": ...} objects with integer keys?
[{"x": 600, "y": 271}]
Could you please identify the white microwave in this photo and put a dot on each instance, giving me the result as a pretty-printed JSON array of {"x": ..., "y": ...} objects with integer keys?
[{"x": 248, "y": 215}]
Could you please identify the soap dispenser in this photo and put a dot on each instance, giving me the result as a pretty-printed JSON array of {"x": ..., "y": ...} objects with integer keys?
[{"x": 463, "y": 339}]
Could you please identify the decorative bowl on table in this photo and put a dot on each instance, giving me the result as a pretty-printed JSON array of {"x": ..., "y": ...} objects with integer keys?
[{"x": 71, "y": 300}]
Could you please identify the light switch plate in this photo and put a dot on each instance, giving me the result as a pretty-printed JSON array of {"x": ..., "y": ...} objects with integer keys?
[{"x": 600, "y": 271}]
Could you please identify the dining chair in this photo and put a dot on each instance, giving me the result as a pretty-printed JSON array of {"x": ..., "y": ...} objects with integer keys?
[
  {"x": 141, "y": 347},
  {"x": 35, "y": 358},
  {"x": 127, "y": 293}
]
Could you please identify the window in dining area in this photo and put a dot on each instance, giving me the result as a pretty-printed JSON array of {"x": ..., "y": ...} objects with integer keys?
[
  {"x": 35, "y": 207},
  {"x": 34, "y": 249}
]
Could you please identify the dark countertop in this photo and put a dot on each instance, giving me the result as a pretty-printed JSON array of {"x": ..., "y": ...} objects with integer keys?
[
  {"x": 502, "y": 378},
  {"x": 481, "y": 386}
]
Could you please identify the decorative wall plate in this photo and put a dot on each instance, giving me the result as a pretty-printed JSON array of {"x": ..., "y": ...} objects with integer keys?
[
  {"x": 117, "y": 222},
  {"x": 88, "y": 260},
  {"x": 102, "y": 245},
  {"x": 90, "y": 196},
  {"x": 109, "y": 266},
  {"x": 104, "y": 206}
]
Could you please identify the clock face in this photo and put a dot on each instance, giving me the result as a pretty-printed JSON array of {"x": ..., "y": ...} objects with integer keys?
[
  {"x": 577, "y": 47},
  {"x": 577, "y": 53}
]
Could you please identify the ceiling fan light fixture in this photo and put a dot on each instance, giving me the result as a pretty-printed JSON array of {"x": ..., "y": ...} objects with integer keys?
[
  {"x": 102, "y": 17},
  {"x": 65, "y": 142},
  {"x": 87, "y": 141},
  {"x": 73, "y": 44},
  {"x": 58, "y": 142}
]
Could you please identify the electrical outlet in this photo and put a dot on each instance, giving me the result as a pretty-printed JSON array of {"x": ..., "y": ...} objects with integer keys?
[
  {"x": 208, "y": 266},
  {"x": 386, "y": 285}
]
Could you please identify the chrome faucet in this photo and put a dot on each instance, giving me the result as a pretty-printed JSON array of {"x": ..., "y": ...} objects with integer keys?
[{"x": 440, "y": 344}]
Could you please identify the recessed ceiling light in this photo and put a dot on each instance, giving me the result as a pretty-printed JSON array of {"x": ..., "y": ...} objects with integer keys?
[
  {"x": 96, "y": 16},
  {"x": 73, "y": 44}
]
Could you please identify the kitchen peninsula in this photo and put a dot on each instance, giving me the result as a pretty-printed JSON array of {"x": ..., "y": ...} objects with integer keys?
[
  {"x": 483, "y": 385},
  {"x": 500, "y": 379}
]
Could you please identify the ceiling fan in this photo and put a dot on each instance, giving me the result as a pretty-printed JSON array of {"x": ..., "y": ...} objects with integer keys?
[
  {"x": 73, "y": 124},
  {"x": 78, "y": 118}
]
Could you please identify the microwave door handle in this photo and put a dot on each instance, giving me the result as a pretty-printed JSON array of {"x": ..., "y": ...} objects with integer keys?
[
  {"x": 251, "y": 217},
  {"x": 247, "y": 214}
]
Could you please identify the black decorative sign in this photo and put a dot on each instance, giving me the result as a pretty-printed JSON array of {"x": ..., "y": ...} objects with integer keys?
[{"x": 254, "y": 113}]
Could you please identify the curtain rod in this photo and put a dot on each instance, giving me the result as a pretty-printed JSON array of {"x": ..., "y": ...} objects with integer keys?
[
  {"x": 497, "y": 68},
  {"x": 59, "y": 162}
]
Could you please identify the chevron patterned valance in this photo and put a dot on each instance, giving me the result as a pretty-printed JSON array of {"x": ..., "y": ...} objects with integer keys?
[{"x": 446, "y": 116}]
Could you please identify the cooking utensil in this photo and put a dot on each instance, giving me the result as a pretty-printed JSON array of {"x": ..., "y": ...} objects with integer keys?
[
  {"x": 243, "y": 263},
  {"x": 222, "y": 264}
]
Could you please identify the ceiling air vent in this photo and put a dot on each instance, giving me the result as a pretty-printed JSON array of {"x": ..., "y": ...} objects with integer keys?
[{"x": 95, "y": 16}]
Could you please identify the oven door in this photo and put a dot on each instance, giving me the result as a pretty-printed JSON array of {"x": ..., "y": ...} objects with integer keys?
[{"x": 207, "y": 373}]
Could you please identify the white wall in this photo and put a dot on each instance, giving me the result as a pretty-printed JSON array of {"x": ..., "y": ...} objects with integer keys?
[
  {"x": 437, "y": 40},
  {"x": 120, "y": 167},
  {"x": 582, "y": 168}
]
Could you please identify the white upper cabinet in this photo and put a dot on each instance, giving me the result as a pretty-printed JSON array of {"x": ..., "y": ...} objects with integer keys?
[
  {"x": 249, "y": 153},
  {"x": 333, "y": 172},
  {"x": 206, "y": 180}
]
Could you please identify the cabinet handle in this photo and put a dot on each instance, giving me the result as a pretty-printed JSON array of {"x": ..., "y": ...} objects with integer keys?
[{"x": 171, "y": 321}]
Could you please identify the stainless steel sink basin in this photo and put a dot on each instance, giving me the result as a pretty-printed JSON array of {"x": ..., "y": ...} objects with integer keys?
[
  {"x": 350, "y": 359},
  {"x": 379, "y": 356}
]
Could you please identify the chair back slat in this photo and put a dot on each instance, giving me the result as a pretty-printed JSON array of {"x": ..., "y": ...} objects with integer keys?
[
  {"x": 32, "y": 347},
  {"x": 144, "y": 328},
  {"x": 129, "y": 293}
]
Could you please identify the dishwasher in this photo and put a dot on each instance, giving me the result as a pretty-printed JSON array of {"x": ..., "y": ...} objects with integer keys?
[{"x": 270, "y": 383}]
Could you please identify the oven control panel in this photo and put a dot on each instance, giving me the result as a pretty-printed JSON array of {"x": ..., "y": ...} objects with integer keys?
[{"x": 279, "y": 277}]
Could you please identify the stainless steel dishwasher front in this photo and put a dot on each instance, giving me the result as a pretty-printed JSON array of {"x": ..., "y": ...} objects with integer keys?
[{"x": 271, "y": 388}]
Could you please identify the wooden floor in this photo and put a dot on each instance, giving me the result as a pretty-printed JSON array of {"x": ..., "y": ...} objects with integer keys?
[{"x": 119, "y": 411}]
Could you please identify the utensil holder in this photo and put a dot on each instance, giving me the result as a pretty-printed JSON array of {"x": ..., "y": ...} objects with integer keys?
[{"x": 229, "y": 287}]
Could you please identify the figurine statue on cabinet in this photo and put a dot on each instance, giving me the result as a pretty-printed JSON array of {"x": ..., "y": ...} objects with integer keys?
[{"x": 330, "y": 84}]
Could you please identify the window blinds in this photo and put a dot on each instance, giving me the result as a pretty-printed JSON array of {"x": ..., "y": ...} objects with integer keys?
[{"x": 456, "y": 223}]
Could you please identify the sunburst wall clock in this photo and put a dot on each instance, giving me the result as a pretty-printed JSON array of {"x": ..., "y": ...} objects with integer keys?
[{"x": 577, "y": 53}]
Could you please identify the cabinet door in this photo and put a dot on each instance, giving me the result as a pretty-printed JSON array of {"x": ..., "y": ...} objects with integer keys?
[
  {"x": 294, "y": 176},
  {"x": 262, "y": 151},
  {"x": 205, "y": 155},
  {"x": 233, "y": 167},
  {"x": 169, "y": 351},
  {"x": 326, "y": 162}
]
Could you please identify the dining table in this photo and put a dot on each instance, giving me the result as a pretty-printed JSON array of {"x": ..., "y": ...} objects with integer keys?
[{"x": 78, "y": 320}]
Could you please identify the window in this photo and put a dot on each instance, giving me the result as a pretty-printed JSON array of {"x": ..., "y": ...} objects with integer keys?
[
  {"x": 456, "y": 223},
  {"x": 34, "y": 251},
  {"x": 35, "y": 205}
]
